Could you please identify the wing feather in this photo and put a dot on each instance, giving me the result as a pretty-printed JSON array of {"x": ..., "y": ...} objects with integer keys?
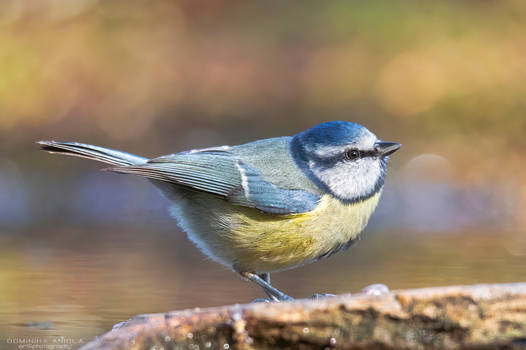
[{"x": 222, "y": 174}]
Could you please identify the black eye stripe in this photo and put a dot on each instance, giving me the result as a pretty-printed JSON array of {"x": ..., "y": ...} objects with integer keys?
[
  {"x": 361, "y": 154},
  {"x": 371, "y": 153}
]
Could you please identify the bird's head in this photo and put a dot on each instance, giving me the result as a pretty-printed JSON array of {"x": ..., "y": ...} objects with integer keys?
[{"x": 343, "y": 159}]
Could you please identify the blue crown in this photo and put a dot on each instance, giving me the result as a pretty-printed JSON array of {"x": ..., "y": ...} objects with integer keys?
[{"x": 335, "y": 133}]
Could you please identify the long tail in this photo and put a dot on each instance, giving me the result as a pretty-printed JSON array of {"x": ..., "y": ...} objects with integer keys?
[{"x": 100, "y": 154}]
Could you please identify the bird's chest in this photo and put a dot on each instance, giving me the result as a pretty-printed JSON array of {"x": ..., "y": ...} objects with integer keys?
[
  {"x": 335, "y": 223},
  {"x": 284, "y": 242}
]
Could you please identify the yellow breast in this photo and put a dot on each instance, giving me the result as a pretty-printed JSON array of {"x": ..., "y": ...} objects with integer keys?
[{"x": 264, "y": 243}]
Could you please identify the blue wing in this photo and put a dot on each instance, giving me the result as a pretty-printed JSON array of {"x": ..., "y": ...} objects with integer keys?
[{"x": 222, "y": 174}]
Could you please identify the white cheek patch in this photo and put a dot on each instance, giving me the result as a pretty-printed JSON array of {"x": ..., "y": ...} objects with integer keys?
[{"x": 350, "y": 180}]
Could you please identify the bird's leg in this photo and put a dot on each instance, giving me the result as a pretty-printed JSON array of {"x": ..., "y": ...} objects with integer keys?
[
  {"x": 266, "y": 277},
  {"x": 272, "y": 292}
]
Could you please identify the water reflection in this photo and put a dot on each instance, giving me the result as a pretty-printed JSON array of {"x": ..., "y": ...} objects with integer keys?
[{"x": 81, "y": 282}]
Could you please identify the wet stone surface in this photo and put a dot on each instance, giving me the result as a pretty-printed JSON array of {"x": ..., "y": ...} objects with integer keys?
[{"x": 463, "y": 317}]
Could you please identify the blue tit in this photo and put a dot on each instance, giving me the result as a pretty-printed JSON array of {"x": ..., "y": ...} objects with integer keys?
[{"x": 267, "y": 205}]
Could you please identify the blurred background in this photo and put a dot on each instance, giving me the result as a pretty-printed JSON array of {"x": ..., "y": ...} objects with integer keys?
[{"x": 82, "y": 250}]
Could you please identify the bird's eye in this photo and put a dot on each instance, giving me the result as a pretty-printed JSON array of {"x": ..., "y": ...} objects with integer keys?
[{"x": 352, "y": 154}]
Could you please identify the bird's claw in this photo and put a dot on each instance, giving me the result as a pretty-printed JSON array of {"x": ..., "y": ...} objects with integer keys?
[
  {"x": 321, "y": 296},
  {"x": 261, "y": 300}
]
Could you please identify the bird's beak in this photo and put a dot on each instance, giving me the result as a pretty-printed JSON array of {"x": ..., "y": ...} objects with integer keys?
[{"x": 386, "y": 148}]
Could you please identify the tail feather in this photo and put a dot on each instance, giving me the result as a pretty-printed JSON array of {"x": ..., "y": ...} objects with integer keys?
[{"x": 101, "y": 154}]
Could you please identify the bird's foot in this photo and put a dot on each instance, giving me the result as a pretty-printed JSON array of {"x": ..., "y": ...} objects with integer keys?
[
  {"x": 261, "y": 300},
  {"x": 376, "y": 289},
  {"x": 282, "y": 297},
  {"x": 274, "y": 293},
  {"x": 321, "y": 296},
  {"x": 271, "y": 300}
]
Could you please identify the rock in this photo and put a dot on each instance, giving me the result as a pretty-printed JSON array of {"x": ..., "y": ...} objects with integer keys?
[{"x": 459, "y": 317}]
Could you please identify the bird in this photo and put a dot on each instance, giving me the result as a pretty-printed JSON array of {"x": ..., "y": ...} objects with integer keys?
[{"x": 268, "y": 205}]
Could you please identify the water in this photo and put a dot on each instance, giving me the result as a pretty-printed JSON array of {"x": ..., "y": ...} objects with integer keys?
[{"x": 67, "y": 285}]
